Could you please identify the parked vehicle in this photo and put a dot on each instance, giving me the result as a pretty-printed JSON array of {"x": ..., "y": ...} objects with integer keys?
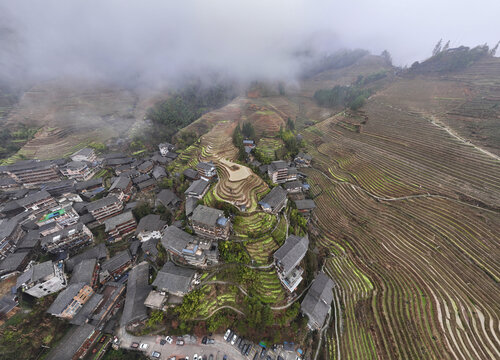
[
  {"x": 210, "y": 341},
  {"x": 244, "y": 348},
  {"x": 195, "y": 357},
  {"x": 134, "y": 345},
  {"x": 179, "y": 342},
  {"x": 204, "y": 340},
  {"x": 163, "y": 342},
  {"x": 156, "y": 354},
  {"x": 169, "y": 339},
  {"x": 263, "y": 353},
  {"x": 238, "y": 342},
  {"x": 256, "y": 355},
  {"x": 234, "y": 339},
  {"x": 143, "y": 346},
  {"x": 226, "y": 335},
  {"x": 249, "y": 348},
  {"x": 211, "y": 357},
  {"x": 225, "y": 357}
]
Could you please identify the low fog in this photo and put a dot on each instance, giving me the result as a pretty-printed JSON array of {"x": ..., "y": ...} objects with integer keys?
[{"x": 157, "y": 40}]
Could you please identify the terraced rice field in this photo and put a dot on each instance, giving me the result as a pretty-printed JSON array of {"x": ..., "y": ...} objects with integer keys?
[
  {"x": 255, "y": 223},
  {"x": 237, "y": 183},
  {"x": 269, "y": 288},
  {"x": 268, "y": 146},
  {"x": 214, "y": 299},
  {"x": 419, "y": 276}
]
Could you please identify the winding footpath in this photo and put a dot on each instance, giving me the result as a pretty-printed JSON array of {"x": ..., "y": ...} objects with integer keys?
[{"x": 402, "y": 198}]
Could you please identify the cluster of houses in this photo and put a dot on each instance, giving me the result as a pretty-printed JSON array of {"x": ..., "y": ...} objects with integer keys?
[
  {"x": 50, "y": 208},
  {"x": 288, "y": 186}
]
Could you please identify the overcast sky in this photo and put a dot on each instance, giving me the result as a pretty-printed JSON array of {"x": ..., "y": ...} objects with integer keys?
[{"x": 157, "y": 39}]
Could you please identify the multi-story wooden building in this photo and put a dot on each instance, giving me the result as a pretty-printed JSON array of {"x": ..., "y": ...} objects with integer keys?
[
  {"x": 68, "y": 239},
  {"x": 105, "y": 208},
  {"x": 210, "y": 223},
  {"x": 119, "y": 226},
  {"x": 32, "y": 172}
]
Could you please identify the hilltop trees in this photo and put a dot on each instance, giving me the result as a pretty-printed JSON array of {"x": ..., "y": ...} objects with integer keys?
[
  {"x": 348, "y": 96},
  {"x": 186, "y": 105}
]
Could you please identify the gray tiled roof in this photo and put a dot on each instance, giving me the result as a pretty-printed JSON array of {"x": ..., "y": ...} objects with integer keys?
[
  {"x": 30, "y": 199},
  {"x": 191, "y": 173},
  {"x": 277, "y": 165},
  {"x": 27, "y": 164},
  {"x": 121, "y": 183},
  {"x": 13, "y": 261},
  {"x": 30, "y": 240},
  {"x": 306, "y": 204},
  {"x": 167, "y": 197},
  {"x": 108, "y": 200},
  {"x": 206, "y": 215},
  {"x": 292, "y": 252},
  {"x": 137, "y": 292},
  {"x": 316, "y": 303},
  {"x": 87, "y": 309},
  {"x": 76, "y": 165},
  {"x": 304, "y": 156},
  {"x": 159, "y": 172},
  {"x": 191, "y": 203},
  {"x": 292, "y": 185},
  {"x": 63, "y": 233},
  {"x": 173, "y": 278},
  {"x": 96, "y": 252},
  {"x": 70, "y": 344},
  {"x": 146, "y": 184},
  {"x": 197, "y": 187},
  {"x": 141, "y": 178},
  {"x": 205, "y": 166},
  {"x": 150, "y": 247},
  {"x": 150, "y": 222},
  {"x": 116, "y": 261},
  {"x": 83, "y": 272},
  {"x": 64, "y": 298},
  {"x": 83, "y": 152},
  {"x": 274, "y": 197},
  {"x": 42, "y": 270},
  {"x": 174, "y": 239},
  {"x": 145, "y": 165},
  {"x": 89, "y": 183},
  {"x": 119, "y": 219}
]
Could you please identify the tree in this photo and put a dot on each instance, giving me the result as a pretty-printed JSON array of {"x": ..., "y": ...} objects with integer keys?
[
  {"x": 155, "y": 318},
  {"x": 142, "y": 210},
  {"x": 446, "y": 46},
  {"x": 281, "y": 89},
  {"x": 387, "y": 57},
  {"x": 248, "y": 130},
  {"x": 493, "y": 51},
  {"x": 437, "y": 48}
]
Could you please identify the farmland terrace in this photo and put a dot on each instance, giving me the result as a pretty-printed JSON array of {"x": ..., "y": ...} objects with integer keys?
[{"x": 409, "y": 206}]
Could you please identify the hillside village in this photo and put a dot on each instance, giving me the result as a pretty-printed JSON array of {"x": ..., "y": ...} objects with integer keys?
[{"x": 108, "y": 235}]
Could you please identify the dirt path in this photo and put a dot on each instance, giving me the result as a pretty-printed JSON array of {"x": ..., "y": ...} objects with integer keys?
[
  {"x": 434, "y": 121},
  {"x": 402, "y": 198}
]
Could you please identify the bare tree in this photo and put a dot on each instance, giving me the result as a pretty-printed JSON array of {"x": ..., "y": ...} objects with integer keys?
[
  {"x": 437, "y": 48},
  {"x": 493, "y": 51},
  {"x": 446, "y": 46}
]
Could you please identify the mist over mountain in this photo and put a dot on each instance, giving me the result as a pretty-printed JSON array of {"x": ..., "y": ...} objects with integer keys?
[{"x": 158, "y": 41}]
